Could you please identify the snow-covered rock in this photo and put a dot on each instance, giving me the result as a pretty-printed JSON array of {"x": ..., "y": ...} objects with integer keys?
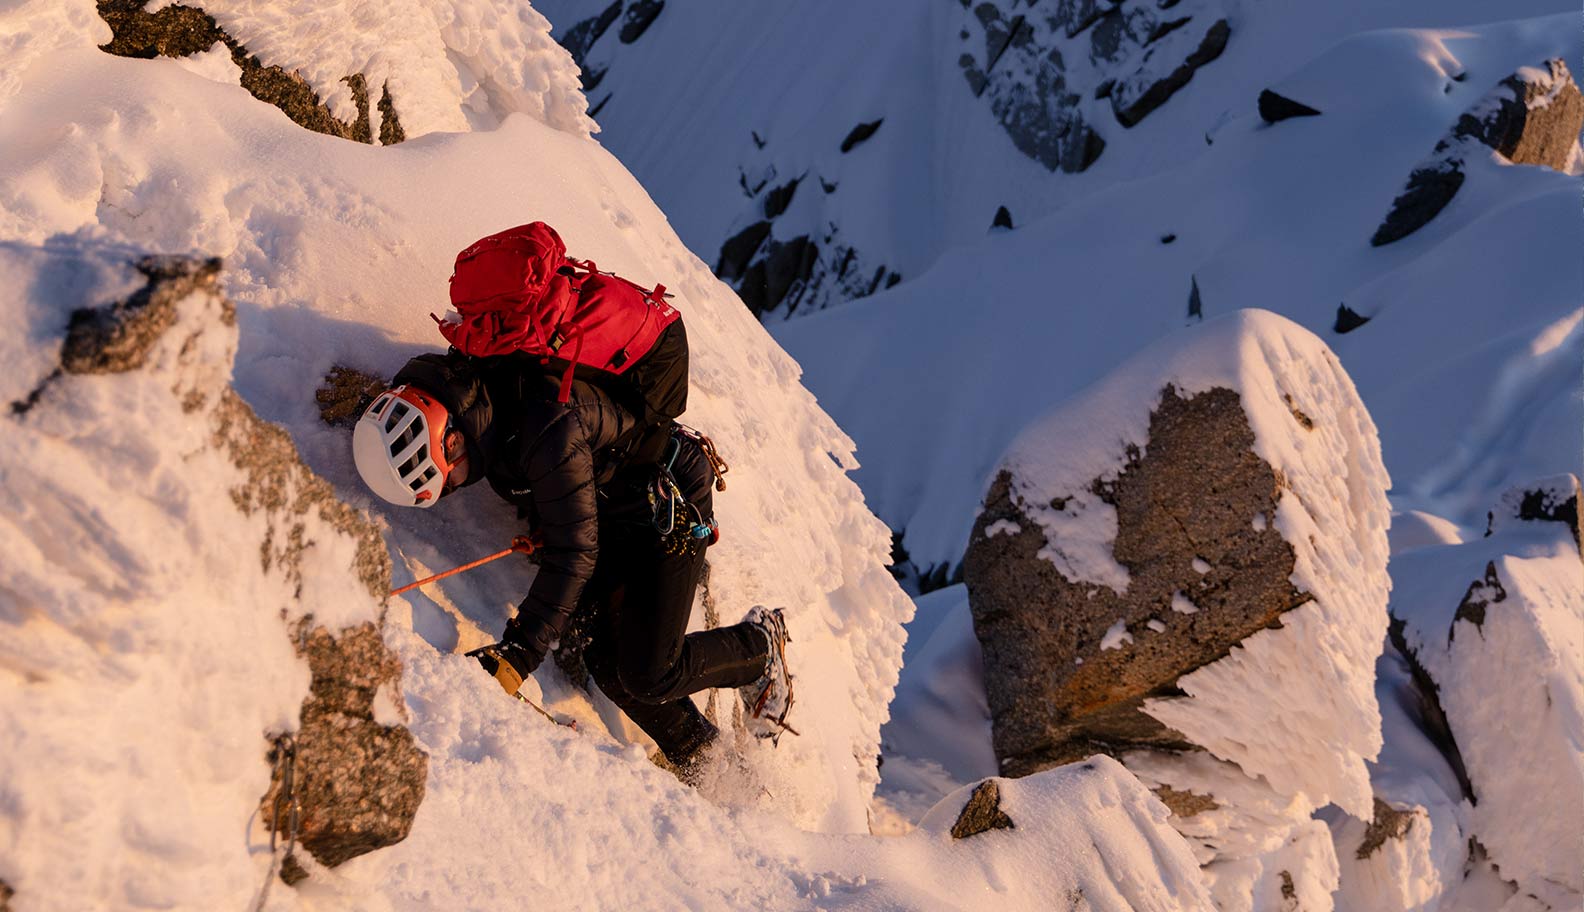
[
  {"x": 1532, "y": 117},
  {"x": 1495, "y": 628},
  {"x": 1232, "y": 468},
  {"x": 371, "y": 72},
  {"x": 179, "y": 587}
]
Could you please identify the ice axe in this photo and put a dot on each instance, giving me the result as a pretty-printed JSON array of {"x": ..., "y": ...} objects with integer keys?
[{"x": 522, "y": 544}]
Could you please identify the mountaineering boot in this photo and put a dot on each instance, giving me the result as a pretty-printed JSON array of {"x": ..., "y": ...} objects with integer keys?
[
  {"x": 767, "y": 701},
  {"x": 508, "y": 663}
]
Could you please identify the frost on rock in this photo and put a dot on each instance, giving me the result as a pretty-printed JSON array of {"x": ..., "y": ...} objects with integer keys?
[
  {"x": 164, "y": 538},
  {"x": 1532, "y": 117},
  {"x": 1495, "y": 630},
  {"x": 372, "y": 71},
  {"x": 1263, "y": 698}
]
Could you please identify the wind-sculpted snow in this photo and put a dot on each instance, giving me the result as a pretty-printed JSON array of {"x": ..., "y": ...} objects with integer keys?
[
  {"x": 1497, "y": 626},
  {"x": 337, "y": 253}
]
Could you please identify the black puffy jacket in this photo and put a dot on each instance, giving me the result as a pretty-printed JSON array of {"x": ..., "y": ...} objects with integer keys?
[{"x": 566, "y": 467}]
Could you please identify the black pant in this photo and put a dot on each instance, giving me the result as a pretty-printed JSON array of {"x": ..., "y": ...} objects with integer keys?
[{"x": 639, "y": 651}]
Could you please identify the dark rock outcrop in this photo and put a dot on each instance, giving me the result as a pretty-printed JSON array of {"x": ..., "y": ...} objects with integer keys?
[
  {"x": 358, "y": 782},
  {"x": 982, "y": 813},
  {"x": 179, "y": 31},
  {"x": 1003, "y": 219},
  {"x": 1186, "y": 529},
  {"x": 769, "y": 273},
  {"x": 640, "y": 15},
  {"x": 1389, "y": 823},
  {"x": 1532, "y": 117},
  {"x": 1347, "y": 320},
  {"x": 1135, "y": 97},
  {"x": 117, "y": 338},
  {"x": 1138, "y": 56},
  {"x": 1274, "y": 108},
  {"x": 859, "y": 134},
  {"x": 1553, "y": 499},
  {"x": 345, "y": 393}
]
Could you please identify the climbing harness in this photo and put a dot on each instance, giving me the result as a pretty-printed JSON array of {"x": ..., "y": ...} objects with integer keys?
[
  {"x": 285, "y": 770},
  {"x": 667, "y": 504},
  {"x": 522, "y": 544}
]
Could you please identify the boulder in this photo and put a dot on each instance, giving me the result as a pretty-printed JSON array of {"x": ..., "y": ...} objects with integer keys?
[
  {"x": 982, "y": 813},
  {"x": 1532, "y": 117},
  {"x": 358, "y": 782},
  {"x": 1491, "y": 627},
  {"x": 1166, "y": 68},
  {"x": 1274, "y": 108},
  {"x": 1184, "y": 568}
]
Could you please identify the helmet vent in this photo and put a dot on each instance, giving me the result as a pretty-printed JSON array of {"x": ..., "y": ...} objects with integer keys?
[
  {"x": 417, "y": 459},
  {"x": 398, "y": 409},
  {"x": 405, "y": 438},
  {"x": 417, "y": 484}
]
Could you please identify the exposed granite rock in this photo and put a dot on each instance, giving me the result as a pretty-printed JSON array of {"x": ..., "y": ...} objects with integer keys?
[
  {"x": 117, "y": 338},
  {"x": 178, "y": 31},
  {"x": 1056, "y": 694},
  {"x": 345, "y": 393},
  {"x": 1432, "y": 715},
  {"x": 1532, "y": 117},
  {"x": 358, "y": 783},
  {"x": 1185, "y": 804},
  {"x": 982, "y": 813},
  {"x": 1274, "y": 108},
  {"x": 1553, "y": 499},
  {"x": 1003, "y": 219},
  {"x": 1389, "y": 823}
]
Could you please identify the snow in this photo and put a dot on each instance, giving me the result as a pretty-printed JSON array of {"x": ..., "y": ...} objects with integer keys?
[
  {"x": 1001, "y": 527},
  {"x": 1512, "y": 688},
  {"x": 122, "y": 551},
  {"x": 1469, "y": 371},
  {"x": 1182, "y": 604},
  {"x": 1116, "y": 636}
]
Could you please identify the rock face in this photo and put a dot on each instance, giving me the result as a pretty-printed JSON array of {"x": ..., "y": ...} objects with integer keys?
[
  {"x": 1491, "y": 629},
  {"x": 1274, "y": 108},
  {"x": 1189, "y": 499},
  {"x": 180, "y": 31},
  {"x": 1532, "y": 117},
  {"x": 783, "y": 276},
  {"x": 358, "y": 782},
  {"x": 982, "y": 813},
  {"x": 1157, "y": 575},
  {"x": 1044, "y": 71}
]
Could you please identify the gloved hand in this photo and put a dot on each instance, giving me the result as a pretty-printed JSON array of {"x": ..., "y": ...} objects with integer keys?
[{"x": 508, "y": 662}]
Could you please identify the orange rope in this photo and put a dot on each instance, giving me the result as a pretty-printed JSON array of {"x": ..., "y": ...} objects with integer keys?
[{"x": 520, "y": 545}]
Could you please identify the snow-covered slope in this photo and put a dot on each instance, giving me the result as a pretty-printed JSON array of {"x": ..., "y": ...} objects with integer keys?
[
  {"x": 1468, "y": 363},
  {"x": 718, "y": 108}
]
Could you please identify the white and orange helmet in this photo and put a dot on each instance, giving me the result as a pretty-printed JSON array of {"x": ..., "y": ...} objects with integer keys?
[{"x": 399, "y": 447}]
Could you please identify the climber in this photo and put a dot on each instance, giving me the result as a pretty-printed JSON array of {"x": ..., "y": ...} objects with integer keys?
[{"x": 623, "y": 512}]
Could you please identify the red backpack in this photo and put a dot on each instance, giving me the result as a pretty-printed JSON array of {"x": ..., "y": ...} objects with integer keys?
[{"x": 517, "y": 291}]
